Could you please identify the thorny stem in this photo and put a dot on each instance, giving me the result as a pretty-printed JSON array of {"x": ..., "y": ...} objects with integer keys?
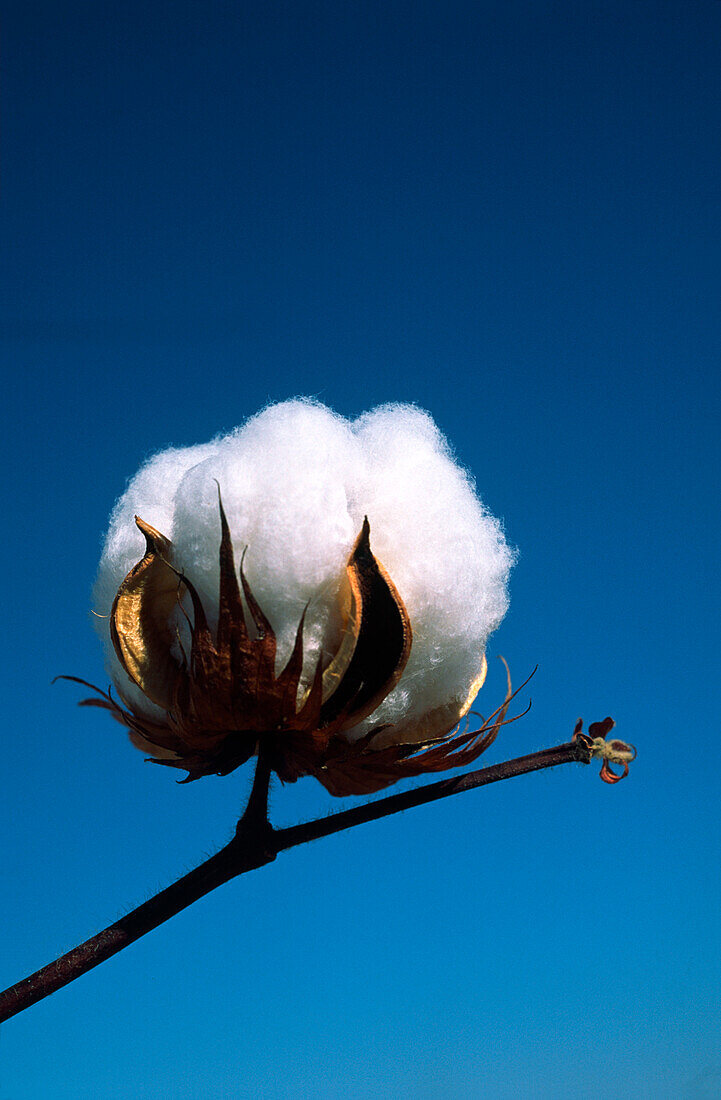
[{"x": 256, "y": 843}]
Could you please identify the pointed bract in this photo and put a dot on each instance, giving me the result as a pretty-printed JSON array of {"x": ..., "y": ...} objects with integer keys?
[{"x": 225, "y": 698}]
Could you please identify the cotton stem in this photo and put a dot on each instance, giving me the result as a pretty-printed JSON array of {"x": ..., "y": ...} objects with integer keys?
[{"x": 255, "y": 844}]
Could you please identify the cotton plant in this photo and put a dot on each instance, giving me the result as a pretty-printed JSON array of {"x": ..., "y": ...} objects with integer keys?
[{"x": 315, "y": 594}]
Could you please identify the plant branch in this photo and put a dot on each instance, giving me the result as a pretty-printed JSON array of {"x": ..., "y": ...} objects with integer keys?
[
  {"x": 570, "y": 752},
  {"x": 256, "y": 843}
]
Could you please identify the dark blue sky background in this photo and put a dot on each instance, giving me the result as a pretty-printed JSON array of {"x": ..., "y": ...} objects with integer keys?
[{"x": 509, "y": 214}]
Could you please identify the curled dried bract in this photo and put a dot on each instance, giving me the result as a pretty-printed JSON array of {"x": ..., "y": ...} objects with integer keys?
[{"x": 223, "y": 700}]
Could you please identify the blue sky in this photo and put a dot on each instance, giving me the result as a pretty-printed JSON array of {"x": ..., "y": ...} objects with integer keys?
[{"x": 508, "y": 214}]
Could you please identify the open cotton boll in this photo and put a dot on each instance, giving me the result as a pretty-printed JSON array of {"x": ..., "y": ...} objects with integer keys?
[{"x": 297, "y": 481}]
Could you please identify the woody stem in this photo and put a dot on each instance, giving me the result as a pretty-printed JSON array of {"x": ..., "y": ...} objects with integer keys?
[
  {"x": 255, "y": 844},
  {"x": 254, "y": 823}
]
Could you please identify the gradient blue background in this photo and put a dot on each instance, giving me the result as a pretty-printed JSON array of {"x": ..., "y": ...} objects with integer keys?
[{"x": 508, "y": 213}]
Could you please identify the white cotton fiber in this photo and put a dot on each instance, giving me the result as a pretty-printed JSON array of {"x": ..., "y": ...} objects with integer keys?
[{"x": 296, "y": 481}]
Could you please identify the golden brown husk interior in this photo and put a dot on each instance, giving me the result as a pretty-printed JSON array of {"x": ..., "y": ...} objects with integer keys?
[{"x": 224, "y": 699}]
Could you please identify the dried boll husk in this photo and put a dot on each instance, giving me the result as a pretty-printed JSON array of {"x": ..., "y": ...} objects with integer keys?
[
  {"x": 297, "y": 481},
  {"x": 222, "y": 699}
]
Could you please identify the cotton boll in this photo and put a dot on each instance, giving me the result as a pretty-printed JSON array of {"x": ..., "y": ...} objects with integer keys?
[{"x": 296, "y": 482}]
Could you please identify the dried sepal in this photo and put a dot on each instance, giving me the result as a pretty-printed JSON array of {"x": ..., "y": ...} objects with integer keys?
[{"x": 223, "y": 698}]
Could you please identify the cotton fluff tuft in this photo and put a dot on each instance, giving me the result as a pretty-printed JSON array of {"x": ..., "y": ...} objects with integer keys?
[{"x": 296, "y": 481}]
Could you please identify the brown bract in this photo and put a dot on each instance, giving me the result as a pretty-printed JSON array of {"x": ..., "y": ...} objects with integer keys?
[{"x": 223, "y": 700}]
